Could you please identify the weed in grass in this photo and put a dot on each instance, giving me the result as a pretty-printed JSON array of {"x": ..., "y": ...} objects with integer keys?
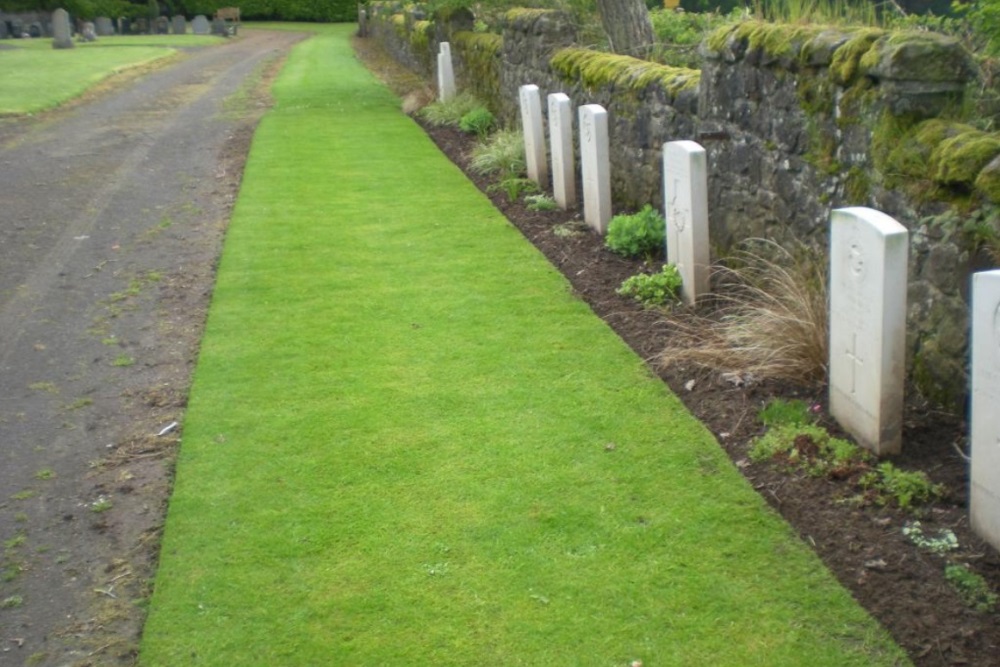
[
  {"x": 102, "y": 504},
  {"x": 641, "y": 234},
  {"x": 653, "y": 290},
  {"x": 479, "y": 122},
  {"x": 47, "y": 387},
  {"x": 541, "y": 203},
  {"x": 21, "y": 517},
  {"x": 907, "y": 489},
  {"x": 24, "y": 495},
  {"x": 502, "y": 155},
  {"x": 80, "y": 403},
  {"x": 939, "y": 543},
  {"x": 36, "y": 659},
  {"x": 15, "y": 542},
  {"x": 972, "y": 588},
  {"x": 781, "y": 412},
  {"x": 772, "y": 322},
  {"x": 11, "y": 602},
  {"x": 45, "y": 473},
  {"x": 122, "y": 361}
]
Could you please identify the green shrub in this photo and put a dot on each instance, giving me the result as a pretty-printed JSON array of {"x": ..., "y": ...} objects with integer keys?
[
  {"x": 515, "y": 186},
  {"x": 541, "y": 202},
  {"x": 811, "y": 447},
  {"x": 657, "y": 289},
  {"x": 479, "y": 121},
  {"x": 640, "y": 234}
]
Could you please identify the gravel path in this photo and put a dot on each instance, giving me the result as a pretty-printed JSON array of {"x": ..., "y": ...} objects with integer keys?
[{"x": 111, "y": 219}]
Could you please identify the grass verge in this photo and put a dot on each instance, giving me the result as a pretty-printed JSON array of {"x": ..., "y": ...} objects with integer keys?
[
  {"x": 66, "y": 73},
  {"x": 409, "y": 444}
]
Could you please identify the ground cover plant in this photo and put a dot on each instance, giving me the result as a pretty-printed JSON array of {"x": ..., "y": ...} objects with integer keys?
[
  {"x": 409, "y": 443},
  {"x": 69, "y": 72}
]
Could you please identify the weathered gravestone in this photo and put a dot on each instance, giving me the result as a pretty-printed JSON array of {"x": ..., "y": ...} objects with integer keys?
[
  {"x": 17, "y": 28},
  {"x": 199, "y": 25},
  {"x": 178, "y": 25},
  {"x": 868, "y": 253},
  {"x": 4, "y": 32},
  {"x": 219, "y": 27},
  {"x": 162, "y": 25},
  {"x": 984, "y": 495},
  {"x": 103, "y": 26},
  {"x": 446, "y": 74},
  {"x": 534, "y": 135},
  {"x": 685, "y": 202},
  {"x": 62, "y": 38},
  {"x": 89, "y": 32},
  {"x": 36, "y": 30},
  {"x": 561, "y": 145},
  {"x": 595, "y": 166},
  {"x": 140, "y": 26}
]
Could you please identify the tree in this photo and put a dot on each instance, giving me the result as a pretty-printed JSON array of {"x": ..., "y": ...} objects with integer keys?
[{"x": 627, "y": 25}]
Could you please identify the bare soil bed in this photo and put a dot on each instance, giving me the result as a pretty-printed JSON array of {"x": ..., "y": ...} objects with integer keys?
[{"x": 901, "y": 585}]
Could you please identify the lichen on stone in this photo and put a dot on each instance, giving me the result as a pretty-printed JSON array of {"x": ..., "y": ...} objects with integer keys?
[{"x": 846, "y": 64}]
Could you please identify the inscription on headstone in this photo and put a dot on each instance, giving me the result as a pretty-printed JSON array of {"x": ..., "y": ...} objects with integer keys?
[
  {"x": 178, "y": 25},
  {"x": 561, "y": 145},
  {"x": 984, "y": 494},
  {"x": 868, "y": 254},
  {"x": 62, "y": 38},
  {"x": 446, "y": 74},
  {"x": 534, "y": 135},
  {"x": 685, "y": 198},
  {"x": 199, "y": 25},
  {"x": 595, "y": 166}
]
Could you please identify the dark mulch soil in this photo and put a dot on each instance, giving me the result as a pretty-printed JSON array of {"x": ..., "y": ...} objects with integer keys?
[{"x": 901, "y": 585}]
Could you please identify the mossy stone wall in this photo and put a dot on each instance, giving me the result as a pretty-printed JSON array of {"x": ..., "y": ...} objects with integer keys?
[{"x": 797, "y": 120}]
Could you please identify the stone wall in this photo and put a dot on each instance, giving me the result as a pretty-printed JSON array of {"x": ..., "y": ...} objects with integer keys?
[{"x": 796, "y": 121}]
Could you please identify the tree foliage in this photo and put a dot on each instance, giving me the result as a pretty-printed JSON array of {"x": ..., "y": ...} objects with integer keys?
[{"x": 279, "y": 10}]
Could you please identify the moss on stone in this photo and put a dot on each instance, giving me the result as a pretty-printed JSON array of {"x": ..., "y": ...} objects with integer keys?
[
  {"x": 775, "y": 39},
  {"x": 398, "y": 22},
  {"x": 959, "y": 159},
  {"x": 525, "y": 14},
  {"x": 847, "y": 66},
  {"x": 595, "y": 69},
  {"x": 480, "y": 54},
  {"x": 857, "y": 186},
  {"x": 988, "y": 182},
  {"x": 917, "y": 56},
  {"x": 420, "y": 35}
]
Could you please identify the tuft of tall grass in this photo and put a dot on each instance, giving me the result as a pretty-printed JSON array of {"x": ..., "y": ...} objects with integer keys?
[
  {"x": 819, "y": 12},
  {"x": 452, "y": 111},
  {"x": 502, "y": 154},
  {"x": 772, "y": 321}
]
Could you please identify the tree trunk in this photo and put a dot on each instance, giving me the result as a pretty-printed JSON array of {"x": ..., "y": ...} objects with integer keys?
[{"x": 627, "y": 25}]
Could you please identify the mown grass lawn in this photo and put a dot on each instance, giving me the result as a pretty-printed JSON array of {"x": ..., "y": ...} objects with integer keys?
[
  {"x": 408, "y": 443},
  {"x": 35, "y": 77}
]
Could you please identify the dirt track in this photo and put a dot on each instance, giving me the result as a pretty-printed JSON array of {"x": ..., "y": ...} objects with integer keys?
[{"x": 111, "y": 219}]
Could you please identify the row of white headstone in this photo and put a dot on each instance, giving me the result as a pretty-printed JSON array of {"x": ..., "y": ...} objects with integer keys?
[{"x": 868, "y": 285}]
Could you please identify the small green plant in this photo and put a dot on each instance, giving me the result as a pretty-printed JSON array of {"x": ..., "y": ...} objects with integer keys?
[
  {"x": 906, "y": 488},
  {"x": 450, "y": 112},
  {"x": 123, "y": 360},
  {"x": 479, "y": 122},
  {"x": 11, "y": 602},
  {"x": 24, "y": 495},
  {"x": 47, "y": 387},
  {"x": 541, "y": 202},
  {"x": 515, "y": 187},
  {"x": 640, "y": 234},
  {"x": 656, "y": 289},
  {"x": 779, "y": 412},
  {"x": 940, "y": 543},
  {"x": 102, "y": 504},
  {"x": 502, "y": 155},
  {"x": 45, "y": 473},
  {"x": 811, "y": 447},
  {"x": 15, "y": 542},
  {"x": 971, "y": 587}
]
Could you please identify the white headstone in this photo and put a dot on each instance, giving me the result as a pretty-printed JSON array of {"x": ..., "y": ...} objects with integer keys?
[
  {"x": 62, "y": 38},
  {"x": 178, "y": 24},
  {"x": 595, "y": 166},
  {"x": 200, "y": 25},
  {"x": 561, "y": 146},
  {"x": 534, "y": 135},
  {"x": 868, "y": 254},
  {"x": 685, "y": 202},
  {"x": 446, "y": 74},
  {"x": 984, "y": 495}
]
